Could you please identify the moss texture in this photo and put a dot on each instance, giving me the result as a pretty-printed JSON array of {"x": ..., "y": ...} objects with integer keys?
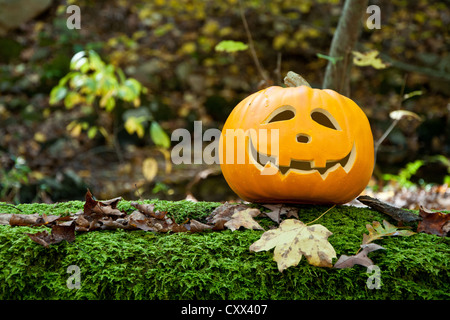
[{"x": 118, "y": 264}]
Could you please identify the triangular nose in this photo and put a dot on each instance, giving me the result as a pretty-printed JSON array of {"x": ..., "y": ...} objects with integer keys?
[{"x": 303, "y": 138}]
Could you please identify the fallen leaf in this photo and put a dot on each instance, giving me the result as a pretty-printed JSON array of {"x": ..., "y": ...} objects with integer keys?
[
  {"x": 377, "y": 231},
  {"x": 223, "y": 213},
  {"x": 277, "y": 210},
  {"x": 196, "y": 226},
  {"x": 244, "y": 219},
  {"x": 294, "y": 239},
  {"x": 5, "y": 218},
  {"x": 149, "y": 210},
  {"x": 95, "y": 210},
  {"x": 25, "y": 219},
  {"x": 437, "y": 223},
  {"x": 361, "y": 258},
  {"x": 59, "y": 233}
]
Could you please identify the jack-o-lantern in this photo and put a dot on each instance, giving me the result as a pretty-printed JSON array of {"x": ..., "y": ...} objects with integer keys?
[{"x": 317, "y": 147}]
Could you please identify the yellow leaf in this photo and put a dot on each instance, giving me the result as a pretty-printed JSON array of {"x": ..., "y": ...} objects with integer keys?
[
  {"x": 134, "y": 125},
  {"x": 188, "y": 48},
  {"x": 244, "y": 219},
  {"x": 294, "y": 239},
  {"x": 368, "y": 59},
  {"x": 74, "y": 128},
  {"x": 149, "y": 168},
  {"x": 40, "y": 137}
]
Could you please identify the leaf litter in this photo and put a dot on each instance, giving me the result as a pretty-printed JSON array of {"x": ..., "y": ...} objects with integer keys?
[{"x": 291, "y": 240}]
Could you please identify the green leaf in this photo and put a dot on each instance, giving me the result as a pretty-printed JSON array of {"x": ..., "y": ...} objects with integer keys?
[
  {"x": 78, "y": 60},
  {"x": 134, "y": 85},
  {"x": 71, "y": 99},
  {"x": 134, "y": 125},
  {"x": 92, "y": 132},
  {"x": 412, "y": 94},
  {"x": 57, "y": 94},
  {"x": 95, "y": 62},
  {"x": 231, "y": 46},
  {"x": 377, "y": 231},
  {"x": 333, "y": 60},
  {"x": 159, "y": 137}
]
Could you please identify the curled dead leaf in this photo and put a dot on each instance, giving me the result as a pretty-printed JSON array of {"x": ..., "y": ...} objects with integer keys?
[
  {"x": 437, "y": 223},
  {"x": 361, "y": 258}
]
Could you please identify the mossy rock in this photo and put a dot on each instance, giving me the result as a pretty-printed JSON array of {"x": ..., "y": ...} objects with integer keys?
[{"x": 119, "y": 264}]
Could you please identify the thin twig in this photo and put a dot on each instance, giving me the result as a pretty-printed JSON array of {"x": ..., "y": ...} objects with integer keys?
[
  {"x": 321, "y": 215},
  {"x": 251, "y": 45},
  {"x": 278, "y": 68},
  {"x": 10, "y": 205},
  {"x": 393, "y": 124}
]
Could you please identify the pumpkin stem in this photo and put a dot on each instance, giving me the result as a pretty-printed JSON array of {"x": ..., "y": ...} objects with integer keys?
[{"x": 293, "y": 80}]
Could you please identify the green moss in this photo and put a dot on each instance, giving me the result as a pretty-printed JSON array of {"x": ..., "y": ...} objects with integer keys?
[{"x": 214, "y": 265}]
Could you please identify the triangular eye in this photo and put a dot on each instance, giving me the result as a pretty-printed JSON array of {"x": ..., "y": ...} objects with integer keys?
[
  {"x": 281, "y": 114},
  {"x": 324, "y": 118}
]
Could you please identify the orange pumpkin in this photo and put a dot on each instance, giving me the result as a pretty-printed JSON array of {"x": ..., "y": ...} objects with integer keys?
[{"x": 324, "y": 154}]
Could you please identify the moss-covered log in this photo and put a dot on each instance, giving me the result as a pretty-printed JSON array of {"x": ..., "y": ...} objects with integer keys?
[{"x": 119, "y": 264}]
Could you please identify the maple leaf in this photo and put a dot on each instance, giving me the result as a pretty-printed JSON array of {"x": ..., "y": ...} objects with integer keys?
[
  {"x": 437, "y": 223},
  {"x": 244, "y": 219},
  {"x": 361, "y": 258},
  {"x": 294, "y": 239},
  {"x": 377, "y": 231}
]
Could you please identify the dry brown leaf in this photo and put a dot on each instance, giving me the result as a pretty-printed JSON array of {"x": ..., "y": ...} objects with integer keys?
[
  {"x": 277, "y": 210},
  {"x": 25, "y": 219},
  {"x": 361, "y": 258},
  {"x": 244, "y": 219},
  {"x": 59, "y": 233},
  {"x": 437, "y": 223},
  {"x": 223, "y": 213},
  {"x": 149, "y": 210}
]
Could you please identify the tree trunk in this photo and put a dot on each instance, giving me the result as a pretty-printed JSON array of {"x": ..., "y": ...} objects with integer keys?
[{"x": 337, "y": 76}]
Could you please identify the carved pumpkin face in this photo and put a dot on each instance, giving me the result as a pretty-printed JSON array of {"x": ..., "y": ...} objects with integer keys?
[{"x": 301, "y": 145}]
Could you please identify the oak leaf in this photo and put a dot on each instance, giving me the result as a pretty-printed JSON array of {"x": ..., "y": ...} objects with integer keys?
[
  {"x": 377, "y": 231},
  {"x": 59, "y": 233},
  {"x": 437, "y": 223},
  {"x": 361, "y": 258},
  {"x": 277, "y": 210},
  {"x": 294, "y": 239}
]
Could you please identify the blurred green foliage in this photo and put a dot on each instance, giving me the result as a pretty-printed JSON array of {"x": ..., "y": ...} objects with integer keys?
[
  {"x": 405, "y": 176},
  {"x": 94, "y": 85}
]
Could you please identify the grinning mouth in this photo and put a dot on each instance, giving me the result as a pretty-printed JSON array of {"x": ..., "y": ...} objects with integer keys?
[{"x": 303, "y": 166}]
